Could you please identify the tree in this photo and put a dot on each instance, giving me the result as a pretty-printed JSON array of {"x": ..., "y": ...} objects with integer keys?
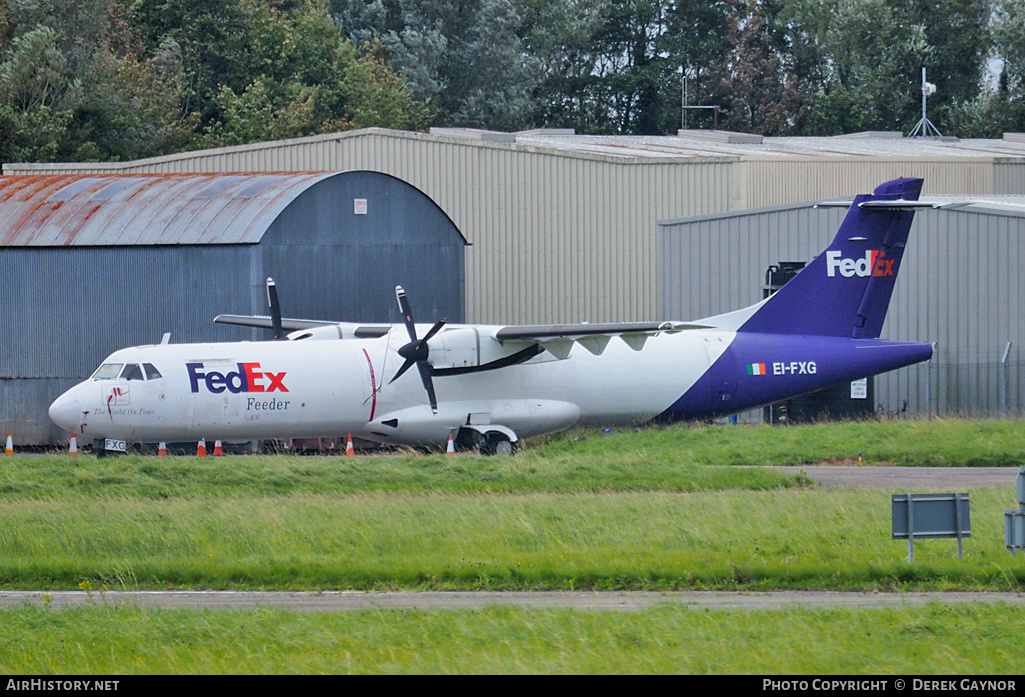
[
  {"x": 312, "y": 80},
  {"x": 605, "y": 66},
  {"x": 219, "y": 46},
  {"x": 76, "y": 88},
  {"x": 870, "y": 55},
  {"x": 466, "y": 57},
  {"x": 697, "y": 40},
  {"x": 1000, "y": 109},
  {"x": 754, "y": 81},
  {"x": 1009, "y": 39},
  {"x": 560, "y": 36},
  {"x": 36, "y": 91},
  {"x": 133, "y": 102}
]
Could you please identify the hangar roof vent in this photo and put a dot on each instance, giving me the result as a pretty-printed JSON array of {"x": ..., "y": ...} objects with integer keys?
[{"x": 720, "y": 136}]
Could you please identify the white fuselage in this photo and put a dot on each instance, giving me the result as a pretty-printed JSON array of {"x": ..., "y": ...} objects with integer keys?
[{"x": 327, "y": 388}]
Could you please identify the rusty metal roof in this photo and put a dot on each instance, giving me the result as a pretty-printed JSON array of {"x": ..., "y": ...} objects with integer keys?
[{"x": 145, "y": 209}]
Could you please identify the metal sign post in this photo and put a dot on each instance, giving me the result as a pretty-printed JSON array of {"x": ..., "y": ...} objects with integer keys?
[
  {"x": 931, "y": 516},
  {"x": 1014, "y": 519}
]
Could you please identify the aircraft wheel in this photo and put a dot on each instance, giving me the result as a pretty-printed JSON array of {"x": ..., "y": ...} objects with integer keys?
[
  {"x": 497, "y": 443},
  {"x": 505, "y": 447}
]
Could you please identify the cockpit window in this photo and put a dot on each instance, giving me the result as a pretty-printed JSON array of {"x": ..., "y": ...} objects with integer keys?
[
  {"x": 132, "y": 371},
  {"x": 151, "y": 371},
  {"x": 108, "y": 371}
]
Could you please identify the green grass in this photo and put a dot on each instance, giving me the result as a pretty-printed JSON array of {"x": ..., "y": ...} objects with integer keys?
[
  {"x": 679, "y": 458},
  {"x": 643, "y": 540},
  {"x": 149, "y": 477},
  {"x": 933, "y": 640},
  {"x": 905, "y": 443},
  {"x": 657, "y": 509}
]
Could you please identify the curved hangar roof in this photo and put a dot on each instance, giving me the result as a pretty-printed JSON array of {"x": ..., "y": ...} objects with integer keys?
[{"x": 145, "y": 209}]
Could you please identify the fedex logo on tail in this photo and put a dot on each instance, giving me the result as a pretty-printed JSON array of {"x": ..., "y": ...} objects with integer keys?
[
  {"x": 249, "y": 377},
  {"x": 874, "y": 263}
]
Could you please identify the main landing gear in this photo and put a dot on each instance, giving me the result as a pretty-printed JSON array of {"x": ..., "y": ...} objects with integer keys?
[{"x": 486, "y": 442}]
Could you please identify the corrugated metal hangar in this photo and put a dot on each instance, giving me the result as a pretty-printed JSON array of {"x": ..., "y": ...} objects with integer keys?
[
  {"x": 960, "y": 286},
  {"x": 93, "y": 263},
  {"x": 564, "y": 227}
]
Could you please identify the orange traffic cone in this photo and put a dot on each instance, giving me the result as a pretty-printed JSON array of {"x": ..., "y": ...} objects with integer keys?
[
  {"x": 162, "y": 449},
  {"x": 218, "y": 451},
  {"x": 349, "y": 452},
  {"x": 9, "y": 450},
  {"x": 451, "y": 449},
  {"x": 73, "y": 446},
  {"x": 201, "y": 448}
]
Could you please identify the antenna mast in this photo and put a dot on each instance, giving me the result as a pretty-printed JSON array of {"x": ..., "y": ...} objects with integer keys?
[{"x": 925, "y": 128}]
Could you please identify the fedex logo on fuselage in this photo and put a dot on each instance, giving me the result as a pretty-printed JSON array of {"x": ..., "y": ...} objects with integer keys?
[
  {"x": 874, "y": 263},
  {"x": 248, "y": 378}
]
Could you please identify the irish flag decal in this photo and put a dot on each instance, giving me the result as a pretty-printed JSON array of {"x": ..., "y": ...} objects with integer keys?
[{"x": 756, "y": 369}]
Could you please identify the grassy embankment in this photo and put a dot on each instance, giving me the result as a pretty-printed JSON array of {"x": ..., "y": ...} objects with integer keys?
[
  {"x": 651, "y": 510},
  {"x": 652, "y": 459},
  {"x": 589, "y": 511},
  {"x": 935, "y": 640}
]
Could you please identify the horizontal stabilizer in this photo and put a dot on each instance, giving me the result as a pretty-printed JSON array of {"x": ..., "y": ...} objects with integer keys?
[{"x": 898, "y": 205}]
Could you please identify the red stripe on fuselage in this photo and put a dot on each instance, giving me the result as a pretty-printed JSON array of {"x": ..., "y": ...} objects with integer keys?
[{"x": 373, "y": 386}]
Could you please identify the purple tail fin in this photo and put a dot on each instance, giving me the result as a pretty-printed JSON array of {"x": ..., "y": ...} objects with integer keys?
[{"x": 845, "y": 291}]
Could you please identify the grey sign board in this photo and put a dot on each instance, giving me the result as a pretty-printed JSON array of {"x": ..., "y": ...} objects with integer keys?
[{"x": 930, "y": 516}]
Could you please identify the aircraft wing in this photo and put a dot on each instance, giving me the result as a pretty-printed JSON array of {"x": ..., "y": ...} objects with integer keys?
[
  {"x": 268, "y": 323},
  {"x": 367, "y": 331},
  {"x": 558, "y": 339}
]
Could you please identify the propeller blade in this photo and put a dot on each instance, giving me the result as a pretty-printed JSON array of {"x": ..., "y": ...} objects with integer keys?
[
  {"x": 434, "y": 330},
  {"x": 405, "y": 366},
  {"x": 425, "y": 377},
  {"x": 407, "y": 313},
  {"x": 275, "y": 307},
  {"x": 417, "y": 350}
]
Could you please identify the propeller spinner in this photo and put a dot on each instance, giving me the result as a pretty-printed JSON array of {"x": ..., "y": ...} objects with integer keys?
[{"x": 417, "y": 351}]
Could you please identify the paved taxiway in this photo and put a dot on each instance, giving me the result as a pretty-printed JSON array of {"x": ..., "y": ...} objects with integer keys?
[
  {"x": 338, "y": 601},
  {"x": 923, "y": 478}
]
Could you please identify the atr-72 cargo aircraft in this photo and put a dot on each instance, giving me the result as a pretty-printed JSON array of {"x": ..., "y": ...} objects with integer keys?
[{"x": 492, "y": 385}]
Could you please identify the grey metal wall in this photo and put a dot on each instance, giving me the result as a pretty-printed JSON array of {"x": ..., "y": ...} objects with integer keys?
[
  {"x": 780, "y": 181},
  {"x": 557, "y": 236},
  {"x": 331, "y": 263},
  {"x": 67, "y": 308},
  {"x": 959, "y": 286},
  {"x": 1009, "y": 178}
]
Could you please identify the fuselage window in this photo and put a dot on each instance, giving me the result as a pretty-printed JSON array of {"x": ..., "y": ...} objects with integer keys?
[
  {"x": 108, "y": 371},
  {"x": 132, "y": 371},
  {"x": 151, "y": 372}
]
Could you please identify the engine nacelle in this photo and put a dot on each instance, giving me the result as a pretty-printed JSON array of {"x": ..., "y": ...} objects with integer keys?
[
  {"x": 332, "y": 331},
  {"x": 457, "y": 347}
]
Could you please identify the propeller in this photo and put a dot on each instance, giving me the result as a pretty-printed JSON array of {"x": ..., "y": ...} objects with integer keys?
[
  {"x": 416, "y": 352},
  {"x": 275, "y": 308}
]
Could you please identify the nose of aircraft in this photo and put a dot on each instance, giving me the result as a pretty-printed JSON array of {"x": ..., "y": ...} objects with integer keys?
[{"x": 65, "y": 412}]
